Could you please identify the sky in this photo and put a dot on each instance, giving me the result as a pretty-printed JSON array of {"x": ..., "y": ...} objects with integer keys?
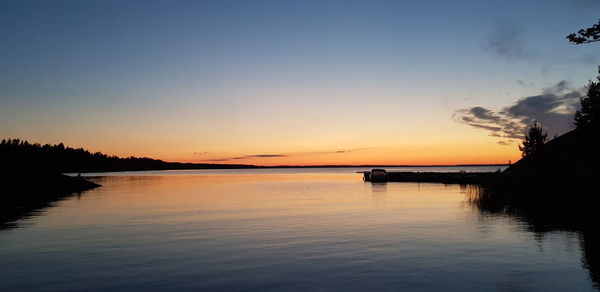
[{"x": 293, "y": 82}]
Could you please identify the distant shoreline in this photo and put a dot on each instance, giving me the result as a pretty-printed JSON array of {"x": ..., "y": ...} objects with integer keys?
[
  {"x": 376, "y": 165},
  {"x": 20, "y": 154},
  {"x": 229, "y": 166}
]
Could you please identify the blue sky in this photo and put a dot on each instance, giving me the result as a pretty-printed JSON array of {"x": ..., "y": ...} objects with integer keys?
[{"x": 279, "y": 76}]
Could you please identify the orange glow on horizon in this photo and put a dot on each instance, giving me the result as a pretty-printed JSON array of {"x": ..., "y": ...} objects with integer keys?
[
  {"x": 432, "y": 143},
  {"x": 401, "y": 155}
]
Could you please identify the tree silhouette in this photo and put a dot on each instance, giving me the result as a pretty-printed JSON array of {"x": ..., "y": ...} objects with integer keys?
[
  {"x": 586, "y": 35},
  {"x": 18, "y": 155},
  {"x": 534, "y": 139},
  {"x": 587, "y": 117}
]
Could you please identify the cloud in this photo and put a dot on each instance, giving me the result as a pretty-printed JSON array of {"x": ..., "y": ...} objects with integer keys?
[
  {"x": 248, "y": 157},
  {"x": 589, "y": 59},
  {"x": 347, "y": 150},
  {"x": 507, "y": 41},
  {"x": 262, "y": 156},
  {"x": 483, "y": 113},
  {"x": 553, "y": 108},
  {"x": 511, "y": 42},
  {"x": 252, "y": 156},
  {"x": 523, "y": 83},
  {"x": 585, "y": 5}
]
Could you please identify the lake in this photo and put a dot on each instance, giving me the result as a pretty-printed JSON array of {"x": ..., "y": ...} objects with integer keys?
[{"x": 283, "y": 229}]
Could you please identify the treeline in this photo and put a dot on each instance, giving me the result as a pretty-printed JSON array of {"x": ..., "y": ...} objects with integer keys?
[{"x": 20, "y": 155}]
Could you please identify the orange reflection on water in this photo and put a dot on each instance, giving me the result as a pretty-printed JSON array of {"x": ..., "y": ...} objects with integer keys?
[
  {"x": 242, "y": 226},
  {"x": 307, "y": 199}
]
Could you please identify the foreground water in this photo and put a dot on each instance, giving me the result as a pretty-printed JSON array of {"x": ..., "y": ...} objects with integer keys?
[{"x": 315, "y": 229}]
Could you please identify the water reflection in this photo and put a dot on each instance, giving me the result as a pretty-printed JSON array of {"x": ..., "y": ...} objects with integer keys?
[
  {"x": 379, "y": 190},
  {"x": 294, "y": 231},
  {"x": 543, "y": 213},
  {"x": 13, "y": 214}
]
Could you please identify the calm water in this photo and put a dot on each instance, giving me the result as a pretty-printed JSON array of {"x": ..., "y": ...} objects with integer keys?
[{"x": 315, "y": 229}]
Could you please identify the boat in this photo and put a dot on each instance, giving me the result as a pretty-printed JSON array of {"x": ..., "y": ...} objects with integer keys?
[{"x": 376, "y": 175}]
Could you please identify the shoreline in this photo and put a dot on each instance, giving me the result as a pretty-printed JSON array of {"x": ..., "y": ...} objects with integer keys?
[
  {"x": 288, "y": 167},
  {"x": 26, "y": 195},
  {"x": 463, "y": 178}
]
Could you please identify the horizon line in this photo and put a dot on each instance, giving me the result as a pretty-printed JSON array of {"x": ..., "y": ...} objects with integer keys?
[{"x": 349, "y": 165}]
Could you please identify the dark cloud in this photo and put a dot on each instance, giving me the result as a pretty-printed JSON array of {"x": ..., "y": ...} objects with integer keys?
[
  {"x": 553, "y": 108},
  {"x": 507, "y": 41},
  {"x": 485, "y": 127},
  {"x": 483, "y": 113},
  {"x": 589, "y": 59},
  {"x": 348, "y": 150},
  {"x": 523, "y": 83}
]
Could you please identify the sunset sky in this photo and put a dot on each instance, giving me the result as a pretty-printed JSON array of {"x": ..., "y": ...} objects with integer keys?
[{"x": 293, "y": 82}]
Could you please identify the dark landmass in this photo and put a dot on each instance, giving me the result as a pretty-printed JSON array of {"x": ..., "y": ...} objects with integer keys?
[
  {"x": 572, "y": 156},
  {"x": 562, "y": 174},
  {"x": 24, "y": 194},
  {"x": 30, "y": 182},
  {"x": 559, "y": 181},
  {"x": 463, "y": 178},
  {"x": 61, "y": 159}
]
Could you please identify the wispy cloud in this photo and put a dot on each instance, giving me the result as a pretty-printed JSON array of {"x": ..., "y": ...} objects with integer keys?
[
  {"x": 526, "y": 84},
  {"x": 585, "y": 5},
  {"x": 253, "y": 156},
  {"x": 346, "y": 151},
  {"x": 510, "y": 41},
  {"x": 261, "y": 156},
  {"x": 507, "y": 41},
  {"x": 553, "y": 108}
]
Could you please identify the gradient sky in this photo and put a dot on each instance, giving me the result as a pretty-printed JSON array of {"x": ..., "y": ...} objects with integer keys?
[{"x": 291, "y": 82}]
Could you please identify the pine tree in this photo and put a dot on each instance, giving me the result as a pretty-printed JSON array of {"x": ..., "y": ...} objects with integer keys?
[
  {"x": 587, "y": 118},
  {"x": 534, "y": 139},
  {"x": 586, "y": 35}
]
